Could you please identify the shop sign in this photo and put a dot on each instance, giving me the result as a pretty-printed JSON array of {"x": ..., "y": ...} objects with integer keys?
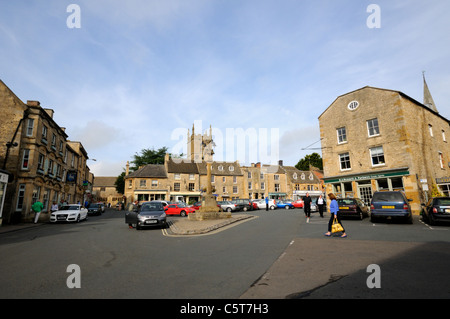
[
  {"x": 4, "y": 178},
  {"x": 443, "y": 180},
  {"x": 365, "y": 177}
]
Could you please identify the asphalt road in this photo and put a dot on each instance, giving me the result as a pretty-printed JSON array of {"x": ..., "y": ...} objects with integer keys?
[
  {"x": 117, "y": 262},
  {"x": 242, "y": 261}
]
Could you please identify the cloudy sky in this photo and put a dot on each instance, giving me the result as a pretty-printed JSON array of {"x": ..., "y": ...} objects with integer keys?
[{"x": 138, "y": 74}]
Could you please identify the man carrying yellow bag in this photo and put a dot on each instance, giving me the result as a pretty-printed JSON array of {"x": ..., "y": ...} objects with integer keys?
[{"x": 335, "y": 224}]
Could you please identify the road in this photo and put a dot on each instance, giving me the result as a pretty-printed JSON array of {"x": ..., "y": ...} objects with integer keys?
[{"x": 117, "y": 262}]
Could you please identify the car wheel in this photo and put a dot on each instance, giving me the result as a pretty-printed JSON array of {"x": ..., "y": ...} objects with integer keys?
[
  {"x": 183, "y": 213},
  {"x": 229, "y": 209},
  {"x": 286, "y": 207},
  {"x": 244, "y": 209},
  {"x": 78, "y": 218},
  {"x": 272, "y": 207}
]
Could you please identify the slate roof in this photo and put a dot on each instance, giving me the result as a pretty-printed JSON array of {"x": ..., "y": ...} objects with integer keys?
[
  {"x": 221, "y": 169},
  {"x": 150, "y": 170},
  {"x": 105, "y": 181},
  {"x": 182, "y": 166},
  {"x": 291, "y": 171}
]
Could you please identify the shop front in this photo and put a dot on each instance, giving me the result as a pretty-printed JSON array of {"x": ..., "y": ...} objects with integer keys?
[
  {"x": 444, "y": 185},
  {"x": 277, "y": 195},
  {"x": 364, "y": 185}
]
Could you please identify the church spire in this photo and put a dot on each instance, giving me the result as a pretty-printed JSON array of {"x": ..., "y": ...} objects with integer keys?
[{"x": 427, "y": 98}]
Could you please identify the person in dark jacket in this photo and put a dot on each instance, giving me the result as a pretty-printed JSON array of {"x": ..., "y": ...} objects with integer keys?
[{"x": 307, "y": 206}]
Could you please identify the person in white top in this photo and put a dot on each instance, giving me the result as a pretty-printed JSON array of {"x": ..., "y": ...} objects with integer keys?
[{"x": 320, "y": 204}]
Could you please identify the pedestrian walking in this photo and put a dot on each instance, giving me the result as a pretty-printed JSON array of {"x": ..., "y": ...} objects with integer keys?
[
  {"x": 267, "y": 203},
  {"x": 307, "y": 206},
  {"x": 37, "y": 208},
  {"x": 334, "y": 210},
  {"x": 320, "y": 203}
]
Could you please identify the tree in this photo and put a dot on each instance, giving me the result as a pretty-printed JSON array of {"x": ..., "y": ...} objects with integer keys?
[
  {"x": 313, "y": 159},
  {"x": 148, "y": 156},
  {"x": 120, "y": 183}
]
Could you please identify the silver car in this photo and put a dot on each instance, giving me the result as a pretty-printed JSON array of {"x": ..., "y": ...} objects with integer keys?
[
  {"x": 228, "y": 206},
  {"x": 149, "y": 214}
]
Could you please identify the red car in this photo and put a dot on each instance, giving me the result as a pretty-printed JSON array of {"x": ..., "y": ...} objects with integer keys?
[
  {"x": 298, "y": 203},
  {"x": 178, "y": 209}
]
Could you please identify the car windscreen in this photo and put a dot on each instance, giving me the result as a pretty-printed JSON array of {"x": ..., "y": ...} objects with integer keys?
[
  {"x": 69, "y": 208},
  {"x": 151, "y": 207},
  {"x": 345, "y": 201},
  {"x": 387, "y": 197},
  {"x": 443, "y": 202},
  {"x": 94, "y": 206}
]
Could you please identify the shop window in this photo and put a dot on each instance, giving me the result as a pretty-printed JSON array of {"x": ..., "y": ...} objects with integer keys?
[
  {"x": 383, "y": 184},
  {"x": 397, "y": 183},
  {"x": 348, "y": 189}
]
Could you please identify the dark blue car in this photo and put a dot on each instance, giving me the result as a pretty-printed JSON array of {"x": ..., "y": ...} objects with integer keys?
[{"x": 392, "y": 204}]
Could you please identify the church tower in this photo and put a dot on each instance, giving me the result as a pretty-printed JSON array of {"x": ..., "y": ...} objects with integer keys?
[{"x": 200, "y": 147}]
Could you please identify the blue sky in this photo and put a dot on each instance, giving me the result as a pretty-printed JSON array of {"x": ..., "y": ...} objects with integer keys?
[{"x": 137, "y": 72}]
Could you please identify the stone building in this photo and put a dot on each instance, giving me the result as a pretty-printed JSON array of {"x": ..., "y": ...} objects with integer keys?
[
  {"x": 378, "y": 139},
  {"x": 186, "y": 179},
  {"x": 42, "y": 163},
  {"x": 104, "y": 190}
]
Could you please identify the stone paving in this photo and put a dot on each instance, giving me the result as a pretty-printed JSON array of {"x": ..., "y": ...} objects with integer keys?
[{"x": 184, "y": 226}]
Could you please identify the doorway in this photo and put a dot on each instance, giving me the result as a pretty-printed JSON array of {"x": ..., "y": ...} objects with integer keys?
[{"x": 365, "y": 193}]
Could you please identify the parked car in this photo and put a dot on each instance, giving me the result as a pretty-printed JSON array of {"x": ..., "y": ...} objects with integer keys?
[
  {"x": 436, "y": 210},
  {"x": 227, "y": 206},
  {"x": 243, "y": 204},
  {"x": 95, "y": 209},
  {"x": 69, "y": 213},
  {"x": 149, "y": 214},
  {"x": 261, "y": 203},
  {"x": 298, "y": 203},
  {"x": 196, "y": 205},
  {"x": 285, "y": 204},
  {"x": 163, "y": 202},
  {"x": 178, "y": 209},
  {"x": 393, "y": 204},
  {"x": 352, "y": 207}
]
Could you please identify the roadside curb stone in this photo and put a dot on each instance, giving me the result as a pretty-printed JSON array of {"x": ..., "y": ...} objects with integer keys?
[{"x": 189, "y": 227}]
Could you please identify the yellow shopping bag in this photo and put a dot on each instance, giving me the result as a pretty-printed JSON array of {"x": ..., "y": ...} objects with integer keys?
[{"x": 336, "y": 227}]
